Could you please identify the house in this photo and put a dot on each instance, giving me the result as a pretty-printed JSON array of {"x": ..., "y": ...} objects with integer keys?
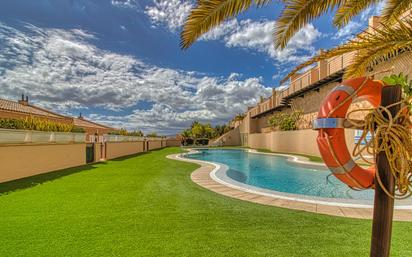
[
  {"x": 23, "y": 109},
  {"x": 91, "y": 128}
]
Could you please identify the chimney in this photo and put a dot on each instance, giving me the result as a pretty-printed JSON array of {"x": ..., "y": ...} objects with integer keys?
[{"x": 24, "y": 101}]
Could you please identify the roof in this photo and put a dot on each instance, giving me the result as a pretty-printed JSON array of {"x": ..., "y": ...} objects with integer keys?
[
  {"x": 81, "y": 122},
  {"x": 12, "y": 106}
]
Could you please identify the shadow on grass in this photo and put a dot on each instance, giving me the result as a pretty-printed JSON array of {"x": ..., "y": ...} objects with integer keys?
[
  {"x": 19, "y": 184},
  {"x": 23, "y": 183},
  {"x": 127, "y": 157},
  {"x": 135, "y": 155}
]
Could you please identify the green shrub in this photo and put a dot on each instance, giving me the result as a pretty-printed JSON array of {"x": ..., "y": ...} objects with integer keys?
[
  {"x": 33, "y": 123},
  {"x": 124, "y": 132},
  {"x": 285, "y": 121},
  {"x": 78, "y": 130},
  {"x": 153, "y": 134},
  {"x": 405, "y": 84},
  {"x": 400, "y": 80}
]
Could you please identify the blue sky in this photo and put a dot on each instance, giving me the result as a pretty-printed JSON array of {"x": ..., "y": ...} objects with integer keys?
[{"x": 119, "y": 62}]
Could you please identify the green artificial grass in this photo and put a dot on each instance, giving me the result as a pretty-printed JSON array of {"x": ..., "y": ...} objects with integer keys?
[{"x": 147, "y": 205}]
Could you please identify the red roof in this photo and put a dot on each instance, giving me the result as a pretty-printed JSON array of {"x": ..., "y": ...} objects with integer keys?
[
  {"x": 12, "y": 106},
  {"x": 89, "y": 124}
]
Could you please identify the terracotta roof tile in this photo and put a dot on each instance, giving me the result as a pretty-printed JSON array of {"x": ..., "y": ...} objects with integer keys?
[
  {"x": 85, "y": 123},
  {"x": 29, "y": 109}
]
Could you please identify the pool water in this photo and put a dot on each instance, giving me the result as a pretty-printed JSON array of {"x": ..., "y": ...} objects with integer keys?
[{"x": 276, "y": 173}]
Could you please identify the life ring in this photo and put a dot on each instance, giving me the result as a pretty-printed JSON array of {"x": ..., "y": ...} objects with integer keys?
[{"x": 331, "y": 125}]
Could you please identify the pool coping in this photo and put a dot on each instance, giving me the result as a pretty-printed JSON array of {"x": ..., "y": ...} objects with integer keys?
[{"x": 208, "y": 177}]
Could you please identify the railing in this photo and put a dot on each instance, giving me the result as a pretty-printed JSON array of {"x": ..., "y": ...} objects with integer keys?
[
  {"x": 17, "y": 136},
  {"x": 119, "y": 138},
  {"x": 306, "y": 79}
]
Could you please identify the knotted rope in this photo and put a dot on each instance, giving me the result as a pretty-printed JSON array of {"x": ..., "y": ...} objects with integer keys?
[
  {"x": 392, "y": 135},
  {"x": 389, "y": 134}
]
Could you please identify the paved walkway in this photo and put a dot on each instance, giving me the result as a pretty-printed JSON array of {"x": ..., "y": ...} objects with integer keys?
[{"x": 201, "y": 176}]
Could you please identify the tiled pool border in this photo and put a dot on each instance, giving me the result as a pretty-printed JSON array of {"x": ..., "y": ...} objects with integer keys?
[{"x": 213, "y": 177}]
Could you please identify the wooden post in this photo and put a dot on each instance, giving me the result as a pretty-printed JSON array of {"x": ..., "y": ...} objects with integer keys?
[{"x": 383, "y": 204}]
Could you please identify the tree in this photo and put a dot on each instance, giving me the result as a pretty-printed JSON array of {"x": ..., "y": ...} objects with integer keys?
[
  {"x": 152, "y": 134},
  {"x": 297, "y": 13},
  {"x": 239, "y": 117},
  {"x": 371, "y": 48},
  {"x": 187, "y": 133}
]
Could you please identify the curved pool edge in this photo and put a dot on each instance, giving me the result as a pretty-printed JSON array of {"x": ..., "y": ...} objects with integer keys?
[{"x": 207, "y": 176}]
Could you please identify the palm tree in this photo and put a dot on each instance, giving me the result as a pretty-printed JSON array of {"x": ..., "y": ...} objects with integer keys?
[
  {"x": 297, "y": 13},
  {"x": 371, "y": 48}
]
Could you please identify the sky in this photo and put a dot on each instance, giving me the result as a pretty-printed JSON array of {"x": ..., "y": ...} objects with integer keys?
[{"x": 118, "y": 62}]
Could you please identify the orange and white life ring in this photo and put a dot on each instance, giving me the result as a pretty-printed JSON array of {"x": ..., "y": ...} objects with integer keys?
[{"x": 331, "y": 125}]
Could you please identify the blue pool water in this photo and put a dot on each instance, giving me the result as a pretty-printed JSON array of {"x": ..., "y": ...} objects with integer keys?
[{"x": 276, "y": 173}]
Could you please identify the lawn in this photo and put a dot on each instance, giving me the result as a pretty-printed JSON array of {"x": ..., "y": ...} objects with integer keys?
[{"x": 146, "y": 205}]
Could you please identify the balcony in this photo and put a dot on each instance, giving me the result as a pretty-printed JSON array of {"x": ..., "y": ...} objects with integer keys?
[{"x": 324, "y": 72}]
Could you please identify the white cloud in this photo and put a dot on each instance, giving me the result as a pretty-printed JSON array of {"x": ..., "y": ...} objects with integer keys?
[
  {"x": 62, "y": 70},
  {"x": 259, "y": 36},
  {"x": 221, "y": 31},
  {"x": 126, "y": 3},
  {"x": 169, "y": 13},
  {"x": 375, "y": 9},
  {"x": 348, "y": 31},
  {"x": 246, "y": 34},
  {"x": 359, "y": 23}
]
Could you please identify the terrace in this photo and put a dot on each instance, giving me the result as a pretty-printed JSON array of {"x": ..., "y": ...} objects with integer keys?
[{"x": 324, "y": 72}]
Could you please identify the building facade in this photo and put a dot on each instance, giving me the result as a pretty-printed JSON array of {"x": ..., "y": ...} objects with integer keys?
[{"x": 306, "y": 92}]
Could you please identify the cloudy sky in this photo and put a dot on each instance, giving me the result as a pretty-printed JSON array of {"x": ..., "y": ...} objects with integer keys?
[{"x": 118, "y": 61}]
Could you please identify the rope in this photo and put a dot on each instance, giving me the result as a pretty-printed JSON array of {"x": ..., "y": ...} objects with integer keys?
[{"x": 393, "y": 136}]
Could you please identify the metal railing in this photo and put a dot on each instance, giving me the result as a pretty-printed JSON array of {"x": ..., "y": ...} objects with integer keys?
[{"x": 17, "y": 136}]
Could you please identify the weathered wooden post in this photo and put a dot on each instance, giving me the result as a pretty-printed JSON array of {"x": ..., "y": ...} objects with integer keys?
[{"x": 383, "y": 204}]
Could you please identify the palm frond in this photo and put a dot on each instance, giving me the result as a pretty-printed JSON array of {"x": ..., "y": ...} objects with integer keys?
[
  {"x": 349, "y": 9},
  {"x": 296, "y": 14},
  {"x": 394, "y": 9},
  {"x": 209, "y": 14},
  {"x": 371, "y": 48}
]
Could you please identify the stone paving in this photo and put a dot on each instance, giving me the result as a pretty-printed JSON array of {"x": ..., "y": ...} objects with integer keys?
[{"x": 201, "y": 176}]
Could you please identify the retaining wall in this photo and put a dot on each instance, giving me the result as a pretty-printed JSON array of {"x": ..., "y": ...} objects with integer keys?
[
  {"x": 155, "y": 145},
  {"x": 299, "y": 141},
  {"x": 119, "y": 149},
  {"x": 28, "y": 159},
  {"x": 20, "y": 161},
  {"x": 173, "y": 142}
]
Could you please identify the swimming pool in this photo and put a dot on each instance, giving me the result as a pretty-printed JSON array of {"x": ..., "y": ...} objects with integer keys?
[{"x": 275, "y": 172}]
